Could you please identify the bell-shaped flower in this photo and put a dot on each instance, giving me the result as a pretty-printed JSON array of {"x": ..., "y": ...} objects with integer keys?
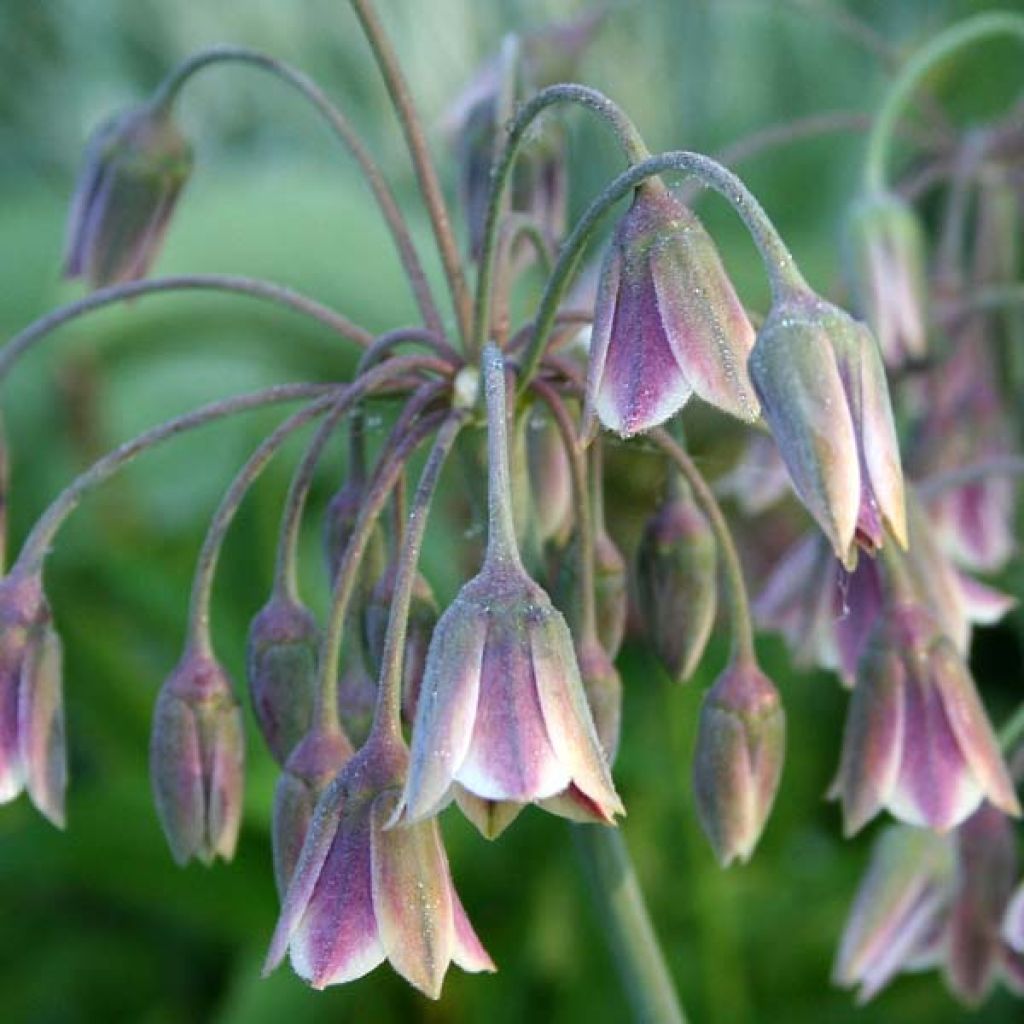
[
  {"x": 741, "y": 743},
  {"x": 823, "y": 392},
  {"x": 667, "y": 323},
  {"x": 917, "y": 739},
  {"x": 502, "y": 714},
  {"x": 135, "y": 167},
  {"x": 363, "y": 893},
  {"x": 886, "y": 252},
  {"x": 33, "y": 755},
  {"x": 196, "y": 755}
]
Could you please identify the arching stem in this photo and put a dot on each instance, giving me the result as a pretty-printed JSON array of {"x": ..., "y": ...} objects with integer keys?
[{"x": 501, "y": 528}]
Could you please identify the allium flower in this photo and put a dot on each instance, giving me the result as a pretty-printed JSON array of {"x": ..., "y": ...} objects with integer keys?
[
  {"x": 196, "y": 753},
  {"x": 281, "y": 658},
  {"x": 136, "y": 165},
  {"x": 823, "y": 392},
  {"x": 667, "y": 322},
  {"x": 917, "y": 739},
  {"x": 32, "y": 746},
  {"x": 738, "y": 761},
  {"x": 676, "y": 582},
  {"x": 363, "y": 893},
  {"x": 502, "y": 713},
  {"x": 887, "y": 257}
]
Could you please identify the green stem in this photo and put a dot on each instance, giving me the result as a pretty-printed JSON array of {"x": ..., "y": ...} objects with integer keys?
[
  {"x": 783, "y": 274},
  {"x": 1012, "y": 730},
  {"x": 387, "y": 716},
  {"x": 426, "y": 175},
  {"x": 518, "y": 131},
  {"x": 739, "y": 603},
  {"x": 619, "y": 900},
  {"x": 944, "y": 45},
  {"x": 41, "y": 538},
  {"x": 339, "y": 124},
  {"x": 265, "y": 290},
  {"x": 501, "y": 527},
  {"x": 514, "y": 228}
]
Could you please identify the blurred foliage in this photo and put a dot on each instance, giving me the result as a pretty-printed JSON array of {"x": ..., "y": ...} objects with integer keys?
[{"x": 98, "y": 924}]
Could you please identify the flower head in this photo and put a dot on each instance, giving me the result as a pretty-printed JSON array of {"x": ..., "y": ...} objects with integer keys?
[{"x": 667, "y": 323}]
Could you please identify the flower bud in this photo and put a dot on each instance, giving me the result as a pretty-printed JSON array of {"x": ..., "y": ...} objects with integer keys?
[
  {"x": 667, "y": 322},
  {"x": 357, "y": 694},
  {"x": 917, "y": 739},
  {"x": 420, "y": 627},
  {"x": 676, "y": 588},
  {"x": 823, "y": 392},
  {"x": 887, "y": 264},
  {"x": 196, "y": 754},
  {"x": 135, "y": 167},
  {"x": 738, "y": 761},
  {"x": 1013, "y": 920},
  {"x": 603, "y": 687},
  {"x": 549, "y": 477},
  {"x": 313, "y": 765},
  {"x": 340, "y": 520},
  {"x": 32, "y": 745},
  {"x": 281, "y": 657}
]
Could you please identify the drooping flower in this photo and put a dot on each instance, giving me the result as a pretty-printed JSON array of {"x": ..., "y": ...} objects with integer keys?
[
  {"x": 667, "y": 323},
  {"x": 823, "y": 392},
  {"x": 135, "y": 167},
  {"x": 196, "y": 755},
  {"x": 917, "y": 739},
  {"x": 363, "y": 893}
]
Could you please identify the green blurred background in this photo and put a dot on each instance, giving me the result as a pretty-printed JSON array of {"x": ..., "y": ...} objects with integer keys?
[{"x": 98, "y": 924}]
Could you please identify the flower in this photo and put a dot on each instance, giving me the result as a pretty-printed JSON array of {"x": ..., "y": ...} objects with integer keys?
[
  {"x": 33, "y": 755},
  {"x": 667, "y": 322},
  {"x": 363, "y": 893},
  {"x": 136, "y": 165},
  {"x": 738, "y": 761},
  {"x": 196, "y": 755},
  {"x": 917, "y": 740},
  {"x": 822, "y": 388}
]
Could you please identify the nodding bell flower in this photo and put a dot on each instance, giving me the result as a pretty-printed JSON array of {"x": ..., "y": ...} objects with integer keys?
[
  {"x": 887, "y": 266},
  {"x": 676, "y": 584},
  {"x": 667, "y": 323},
  {"x": 363, "y": 893},
  {"x": 281, "y": 656},
  {"x": 196, "y": 755},
  {"x": 741, "y": 743},
  {"x": 917, "y": 739},
  {"x": 503, "y": 715},
  {"x": 33, "y": 756},
  {"x": 312, "y": 766},
  {"x": 135, "y": 167},
  {"x": 420, "y": 626},
  {"x": 823, "y": 392}
]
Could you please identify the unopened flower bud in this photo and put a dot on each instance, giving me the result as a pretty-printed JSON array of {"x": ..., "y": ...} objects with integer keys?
[
  {"x": 603, "y": 687},
  {"x": 667, "y": 322},
  {"x": 313, "y": 765},
  {"x": 419, "y": 629},
  {"x": 135, "y": 167},
  {"x": 823, "y": 392},
  {"x": 340, "y": 520},
  {"x": 281, "y": 656},
  {"x": 32, "y": 745},
  {"x": 738, "y": 761},
  {"x": 549, "y": 477},
  {"x": 677, "y": 588},
  {"x": 887, "y": 265},
  {"x": 196, "y": 755}
]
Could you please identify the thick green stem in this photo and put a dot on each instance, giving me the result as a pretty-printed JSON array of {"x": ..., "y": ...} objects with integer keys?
[
  {"x": 620, "y": 904},
  {"x": 265, "y": 290},
  {"x": 426, "y": 174},
  {"x": 626, "y": 132},
  {"x": 387, "y": 717},
  {"x": 783, "y": 274},
  {"x": 739, "y": 603},
  {"x": 942, "y": 46},
  {"x": 339, "y": 124},
  {"x": 501, "y": 527}
]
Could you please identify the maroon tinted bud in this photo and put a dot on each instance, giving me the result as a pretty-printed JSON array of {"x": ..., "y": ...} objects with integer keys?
[
  {"x": 420, "y": 627},
  {"x": 281, "y": 657},
  {"x": 357, "y": 694},
  {"x": 676, "y": 585},
  {"x": 196, "y": 758},
  {"x": 340, "y": 520},
  {"x": 135, "y": 167},
  {"x": 549, "y": 478},
  {"x": 603, "y": 687}
]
